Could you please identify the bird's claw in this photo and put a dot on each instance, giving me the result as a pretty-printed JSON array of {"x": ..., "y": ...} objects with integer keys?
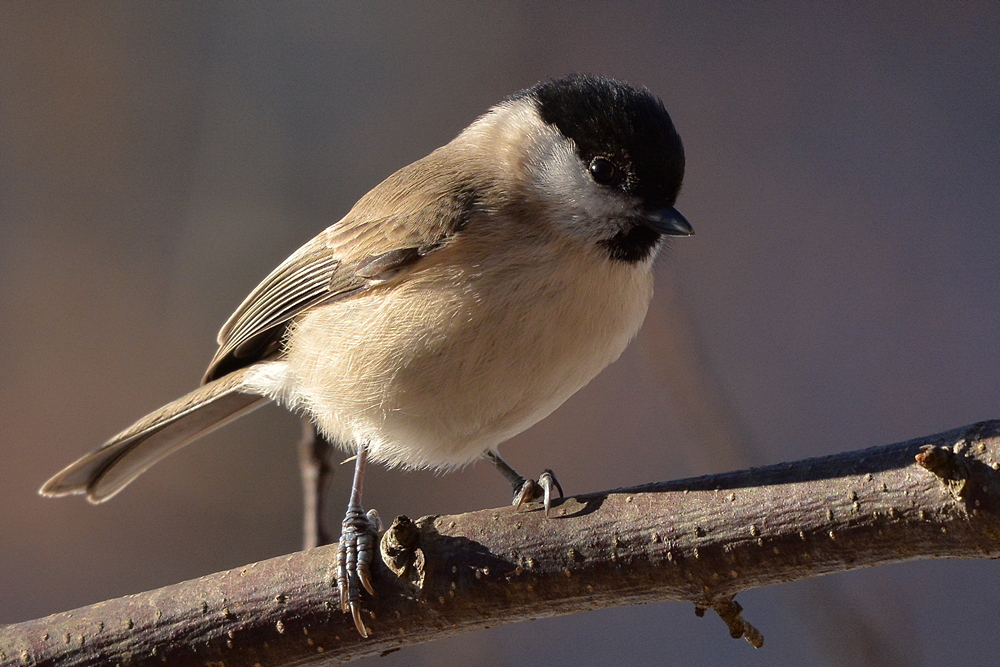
[
  {"x": 354, "y": 558},
  {"x": 531, "y": 490}
]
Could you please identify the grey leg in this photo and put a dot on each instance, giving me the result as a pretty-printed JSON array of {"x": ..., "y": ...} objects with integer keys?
[
  {"x": 357, "y": 547},
  {"x": 314, "y": 465},
  {"x": 526, "y": 490}
]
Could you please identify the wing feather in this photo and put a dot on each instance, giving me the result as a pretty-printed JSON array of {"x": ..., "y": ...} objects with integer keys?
[{"x": 338, "y": 262}]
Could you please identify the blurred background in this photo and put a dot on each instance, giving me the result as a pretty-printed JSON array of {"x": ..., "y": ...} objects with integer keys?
[{"x": 843, "y": 288}]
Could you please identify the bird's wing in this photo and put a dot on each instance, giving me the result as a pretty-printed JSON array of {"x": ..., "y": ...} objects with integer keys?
[{"x": 416, "y": 215}]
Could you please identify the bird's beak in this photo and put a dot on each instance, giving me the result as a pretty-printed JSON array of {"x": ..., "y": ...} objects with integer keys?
[{"x": 667, "y": 221}]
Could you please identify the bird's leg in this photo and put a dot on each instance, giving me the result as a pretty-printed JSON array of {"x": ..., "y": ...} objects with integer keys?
[
  {"x": 526, "y": 490},
  {"x": 314, "y": 465},
  {"x": 357, "y": 547}
]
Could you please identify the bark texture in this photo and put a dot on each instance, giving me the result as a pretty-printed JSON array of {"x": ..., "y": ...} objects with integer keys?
[{"x": 698, "y": 540}]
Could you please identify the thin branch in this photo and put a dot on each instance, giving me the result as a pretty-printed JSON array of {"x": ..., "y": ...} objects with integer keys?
[
  {"x": 317, "y": 474},
  {"x": 699, "y": 540}
]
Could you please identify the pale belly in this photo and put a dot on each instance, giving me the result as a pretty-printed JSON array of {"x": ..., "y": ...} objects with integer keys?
[{"x": 477, "y": 362}]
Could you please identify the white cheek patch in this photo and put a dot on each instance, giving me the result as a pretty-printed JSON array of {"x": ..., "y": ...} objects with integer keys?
[
  {"x": 584, "y": 208},
  {"x": 556, "y": 179}
]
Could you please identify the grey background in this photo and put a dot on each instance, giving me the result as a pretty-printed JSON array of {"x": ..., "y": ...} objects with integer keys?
[{"x": 158, "y": 159}]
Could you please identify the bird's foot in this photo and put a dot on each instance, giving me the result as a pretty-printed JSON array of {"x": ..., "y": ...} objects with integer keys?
[
  {"x": 354, "y": 558},
  {"x": 530, "y": 490}
]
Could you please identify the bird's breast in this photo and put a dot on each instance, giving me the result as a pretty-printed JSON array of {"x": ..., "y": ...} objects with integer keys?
[{"x": 461, "y": 355}]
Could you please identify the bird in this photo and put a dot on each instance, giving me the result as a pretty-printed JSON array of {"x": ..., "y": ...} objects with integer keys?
[{"x": 456, "y": 304}]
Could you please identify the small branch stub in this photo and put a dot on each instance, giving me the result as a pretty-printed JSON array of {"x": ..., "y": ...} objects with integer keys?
[
  {"x": 400, "y": 550},
  {"x": 949, "y": 466},
  {"x": 731, "y": 613}
]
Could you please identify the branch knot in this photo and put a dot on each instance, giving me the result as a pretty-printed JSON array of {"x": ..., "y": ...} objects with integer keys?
[{"x": 946, "y": 465}]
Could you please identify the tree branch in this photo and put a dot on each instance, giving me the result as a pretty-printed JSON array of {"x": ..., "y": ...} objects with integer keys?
[{"x": 698, "y": 540}]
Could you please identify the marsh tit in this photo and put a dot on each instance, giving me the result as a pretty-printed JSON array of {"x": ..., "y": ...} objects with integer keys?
[{"x": 457, "y": 303}]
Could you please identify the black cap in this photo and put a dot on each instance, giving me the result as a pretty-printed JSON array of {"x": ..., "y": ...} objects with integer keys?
[{"x": 615, "y": 120}]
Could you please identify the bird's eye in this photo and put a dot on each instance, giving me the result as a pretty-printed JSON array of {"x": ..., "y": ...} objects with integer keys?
[{"x": 604, "y": 171}]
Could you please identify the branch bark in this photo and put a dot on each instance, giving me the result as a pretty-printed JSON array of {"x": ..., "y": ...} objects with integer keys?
[{"x": 698, "y": 540}]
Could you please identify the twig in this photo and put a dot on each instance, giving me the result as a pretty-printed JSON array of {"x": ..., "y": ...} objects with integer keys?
[
  {"x": 317, "y": 474},
  {"x": 698, "y": 540}
]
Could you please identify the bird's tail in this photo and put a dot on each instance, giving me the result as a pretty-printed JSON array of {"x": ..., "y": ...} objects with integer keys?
[{"x": 107, "y": 470}]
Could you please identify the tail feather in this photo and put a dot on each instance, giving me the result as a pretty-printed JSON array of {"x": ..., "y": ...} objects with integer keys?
[{"x": 107, "y": 470}]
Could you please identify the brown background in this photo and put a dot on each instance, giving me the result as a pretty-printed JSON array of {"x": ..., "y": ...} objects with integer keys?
[{"x": 158, "y": 159}]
